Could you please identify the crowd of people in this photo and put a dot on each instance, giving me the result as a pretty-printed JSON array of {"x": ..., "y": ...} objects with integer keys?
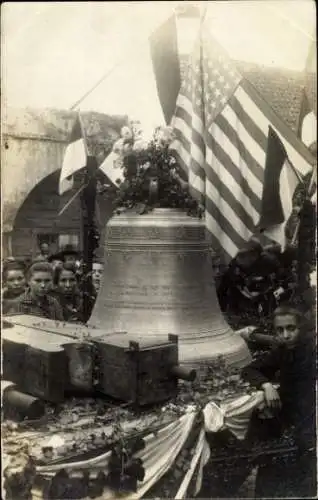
[
  {"x": 57, "y": 286},
  {"x": 257, "y": 281},
  {"x": 51, "y": 286}
]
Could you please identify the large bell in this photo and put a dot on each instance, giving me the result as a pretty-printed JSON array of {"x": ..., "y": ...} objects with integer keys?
[{"x": 158, "y": 279}]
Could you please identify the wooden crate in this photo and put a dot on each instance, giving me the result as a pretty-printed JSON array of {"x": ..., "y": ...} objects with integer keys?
[
  {"x": 39, "y": 370},
  {"x": 136, "y": 369}
]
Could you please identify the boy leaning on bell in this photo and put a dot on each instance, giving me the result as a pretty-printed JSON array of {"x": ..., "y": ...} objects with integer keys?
[{"x": 287, "y": 375}]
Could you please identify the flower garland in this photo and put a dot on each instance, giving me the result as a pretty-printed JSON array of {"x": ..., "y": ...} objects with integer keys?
[{"x": 149, "y": 175}]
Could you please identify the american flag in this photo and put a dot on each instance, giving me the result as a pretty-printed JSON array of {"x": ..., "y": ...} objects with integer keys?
[{"x": 221, "y": 126}]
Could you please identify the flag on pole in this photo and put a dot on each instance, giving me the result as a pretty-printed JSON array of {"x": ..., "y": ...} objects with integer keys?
[
  {"x": 221, "y": 126},
  {"x": 75, "y": 157},
  {"x": 307, "y": 122},
  {"x": 112, "y": 168},
  {"x": 156, "y": 90},
  {"x": 165, "y": 60},
  {"x": 280, "y": 182}
]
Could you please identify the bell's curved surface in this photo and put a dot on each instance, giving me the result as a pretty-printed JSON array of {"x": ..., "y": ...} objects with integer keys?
[{"x": 158, "y": 279}]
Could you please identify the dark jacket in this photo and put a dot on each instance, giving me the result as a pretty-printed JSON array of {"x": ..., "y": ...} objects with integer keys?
[
  {"x": 11, "y": 303},
  {"x": 295, "y": 372},
  {"x": 72, "y": 307},
  {"x": 45, "y": 307},
  {"x": 236, "y": 278}
]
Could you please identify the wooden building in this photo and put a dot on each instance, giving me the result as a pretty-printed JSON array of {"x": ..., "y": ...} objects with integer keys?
[{"x": 34, "y": 142}]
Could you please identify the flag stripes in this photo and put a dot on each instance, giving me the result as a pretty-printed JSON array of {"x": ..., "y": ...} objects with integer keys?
[
  {"x": 233, "y": 135},
  {"x": 221, "y": 127},
  {"x": 75, "y": 156},
  {"x": 218, "y": 149},
  {"x": 233, "y": 194}
]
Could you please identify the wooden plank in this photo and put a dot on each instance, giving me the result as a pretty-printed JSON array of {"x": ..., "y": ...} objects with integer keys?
[{"x": 72, "y": 330}]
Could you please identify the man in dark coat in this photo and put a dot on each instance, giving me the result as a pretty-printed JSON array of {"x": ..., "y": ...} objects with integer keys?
[
  {"x": 249, "y": 282},
  {"x": 293, "y": 405}
]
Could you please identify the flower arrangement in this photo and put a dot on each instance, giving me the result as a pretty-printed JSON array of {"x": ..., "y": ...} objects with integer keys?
[{"x": 148, "y": 173}]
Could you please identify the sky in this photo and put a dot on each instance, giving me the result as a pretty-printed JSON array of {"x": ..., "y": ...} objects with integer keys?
[{"x": 54, "y": 52}]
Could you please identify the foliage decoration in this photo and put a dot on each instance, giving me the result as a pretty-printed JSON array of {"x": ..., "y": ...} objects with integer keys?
[{"x": 149, "y": 174}]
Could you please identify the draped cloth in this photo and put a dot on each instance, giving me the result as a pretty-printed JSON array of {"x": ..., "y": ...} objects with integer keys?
[{"x": 163, "y": 446}]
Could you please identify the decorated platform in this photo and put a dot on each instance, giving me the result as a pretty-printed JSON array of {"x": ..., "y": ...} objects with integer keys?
[{"x": 93, "y": 447}]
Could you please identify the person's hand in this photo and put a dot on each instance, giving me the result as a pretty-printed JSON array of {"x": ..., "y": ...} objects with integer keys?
[{"x": 271, "y": 396}]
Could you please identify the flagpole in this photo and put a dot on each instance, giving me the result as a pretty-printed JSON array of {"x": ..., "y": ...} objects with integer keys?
[
  {"x": 78, "y": 192},
  {"x": 312, "y": 180},
  {"x": 83, "y": 131}
]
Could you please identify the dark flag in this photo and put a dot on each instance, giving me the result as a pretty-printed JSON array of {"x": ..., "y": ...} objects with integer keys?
[
  {"x": 165, "y": 60},
  {"x": 280, "y": 182}
]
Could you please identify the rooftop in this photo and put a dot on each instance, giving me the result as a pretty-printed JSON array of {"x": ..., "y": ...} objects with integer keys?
[
  {"x": 282, "y": 89},
  {"x": 55, "y": 125}
]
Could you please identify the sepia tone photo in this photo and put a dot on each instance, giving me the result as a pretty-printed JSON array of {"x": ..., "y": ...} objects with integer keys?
[{"x": 158, "y": 279}]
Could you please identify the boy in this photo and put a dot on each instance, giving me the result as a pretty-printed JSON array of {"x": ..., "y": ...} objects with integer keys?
[
  {"x": 247, "y": 283},
  {"x": 15, "y": 283},
  {"x": 37, "y": 299},
  {"x": 97, "y": 274},
  {"x": 44, "y": 253},
  {"x": 292, "y": 405}
]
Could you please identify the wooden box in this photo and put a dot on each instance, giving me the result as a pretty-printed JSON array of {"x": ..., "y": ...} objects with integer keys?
[
  {"x": 35, "y": 358},
  {"x": 39, "y": 370},
  {"x": 137, "y": 370}
]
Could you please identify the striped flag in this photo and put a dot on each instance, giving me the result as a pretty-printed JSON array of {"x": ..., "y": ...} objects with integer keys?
[
  {"x": 75, "y": 156},
  {"x": 221, "y": 126},
  {"x": 280, "y": 182}
]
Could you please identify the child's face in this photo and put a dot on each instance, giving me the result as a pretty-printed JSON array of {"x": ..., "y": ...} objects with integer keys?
[
  {"x": 97, "y": 274},
  {"x": 15, "y": 281},
  {"x": 41, "y": 282},
  {"x": 287, "y": 329},
  {"x": 67, "y": 282},
  {"x": 45, "y": 249}
]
